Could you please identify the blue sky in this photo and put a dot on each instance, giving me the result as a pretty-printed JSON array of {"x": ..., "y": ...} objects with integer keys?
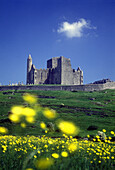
[{"x": 82, "y": 30}]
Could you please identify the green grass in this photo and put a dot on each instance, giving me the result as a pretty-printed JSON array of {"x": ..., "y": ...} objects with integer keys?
[
  {"x": 79, "y": 107},
  {"x": 20, "y": 153}
]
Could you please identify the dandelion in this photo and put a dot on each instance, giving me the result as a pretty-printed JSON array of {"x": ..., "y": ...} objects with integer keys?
[
  {"x": 17, "y": 110},
  {"x": 3, "y": 130},
  {"x": 14, "y": 118},
  {"x": 64, "y": 154},
  {"x": 30, "y": 98},
  {"x": 68, "y": 128},
  {"x": 112, "y": 132},
  {"x": 30, "y": 119},
  {"x": 23, "y": 125},
  {"x": 28, "y": 112},
  {"x": 44, "y": 163},
  {"x": 72, "y": 147},
  {"x": 43, "y": 125},
  {"x": 97, "y": 136},
  {"x": 104, "y": 130},
  {"x": 35, "y": 156},
  {"x": 55, "y": 155},
  {"x": 50, "y": 114}
]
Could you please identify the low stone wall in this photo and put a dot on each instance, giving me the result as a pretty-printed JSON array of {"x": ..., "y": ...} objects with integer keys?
[{"x": 88, "y": 87}]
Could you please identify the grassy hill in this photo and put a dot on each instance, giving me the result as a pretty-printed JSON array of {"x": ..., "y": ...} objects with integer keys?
[{"x": 85, "y": 109}]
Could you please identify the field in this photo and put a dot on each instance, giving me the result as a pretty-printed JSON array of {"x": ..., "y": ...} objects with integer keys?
[
  {"x": 83, "y": 108},
  {"x": 28, "y": 143}
]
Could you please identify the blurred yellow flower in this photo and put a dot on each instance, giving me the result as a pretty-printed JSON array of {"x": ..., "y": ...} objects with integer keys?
[
  {"x": 44, "y": 163},
  {"x": 28, "y": 112},
  {"x": 43, "y": 125},
  {"x": 17, "y": 110},
  {"x": 30, "y": 119},
  {"x": 104, "y": 130},
  {"x": 112, "y": 132},
  {"x": 3, "y": 130},
  {"x": 64, "y": 154},
  {"x": 68, "y": 128},
  {"x": 35, "y": 156},
  {"x": 50, "y": 114},
  {"x": 72, "y": 147},
  {"x": 23, "y": 125},
  {"x": 55, "y": 155},
  {"x": 30, "y": 98},
  {"x": 14, "y": 118}
]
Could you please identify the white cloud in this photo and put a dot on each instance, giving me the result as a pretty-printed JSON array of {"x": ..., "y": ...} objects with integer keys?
[{"x": 75, "y": 29}]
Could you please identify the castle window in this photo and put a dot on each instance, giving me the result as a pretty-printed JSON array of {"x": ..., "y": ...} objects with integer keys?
[{"x": 41, "y": 76}]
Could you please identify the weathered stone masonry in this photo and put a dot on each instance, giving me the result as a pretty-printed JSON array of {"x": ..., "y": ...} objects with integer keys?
[{"x": 58, "y": 71}]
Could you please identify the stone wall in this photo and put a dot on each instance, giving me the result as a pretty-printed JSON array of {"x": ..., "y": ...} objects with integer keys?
[{"x": 88, "y": 87}]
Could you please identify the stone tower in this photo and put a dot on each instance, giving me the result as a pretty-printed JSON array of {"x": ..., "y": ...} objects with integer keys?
[{"x": 29, "y": 66}]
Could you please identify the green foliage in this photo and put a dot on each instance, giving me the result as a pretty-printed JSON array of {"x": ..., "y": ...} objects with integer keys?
[
  {"x": 55, "y": 150},
  {"x": 22, "y": 152},
  {"x": 83, "y": 108}
]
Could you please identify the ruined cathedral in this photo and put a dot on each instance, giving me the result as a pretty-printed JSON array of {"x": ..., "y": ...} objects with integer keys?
[{"x": 58, "y": 71}]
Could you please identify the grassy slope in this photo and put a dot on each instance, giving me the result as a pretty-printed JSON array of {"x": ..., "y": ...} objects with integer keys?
[{"x": 78, "y": 107}]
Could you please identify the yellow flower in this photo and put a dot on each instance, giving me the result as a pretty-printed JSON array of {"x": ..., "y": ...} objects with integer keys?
[
  {"x": 23, "y": 125},
  {"x": 14, "y": 118},
  {"x": 3, "y": 130},
  {"x": 68, "y": 128},
  {"x": 43, "y": 125},
  {"x": 112, "y": 157},
  {"x": 35, "y": 156},
  {"x": 44, "y": 163},
  {"x": 97, "y": 136},
  {"x": 50, "y": 114},
  {"x": 72, "y": 147},
  {"x": 17, "y": 110},
  {"x": 28, "y": 112},
  {"x": 55, "y": 155},
  {"x": 30, "y": 119},
  {"x": 64, "y": 154},
  {"x": 30, "y": 98},
  {"x": 29, "y": 169},
  {"x": 104, "y": 130},
  {"x": 112, "y": 132}
]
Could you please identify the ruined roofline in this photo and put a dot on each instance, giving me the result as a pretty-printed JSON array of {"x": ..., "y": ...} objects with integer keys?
[
  {"x": 58, "y": 58},
  {"x": 58, "y": 71}
]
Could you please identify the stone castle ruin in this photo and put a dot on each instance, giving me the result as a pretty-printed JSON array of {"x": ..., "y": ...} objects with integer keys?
[{"x": 58, "y": 71}]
